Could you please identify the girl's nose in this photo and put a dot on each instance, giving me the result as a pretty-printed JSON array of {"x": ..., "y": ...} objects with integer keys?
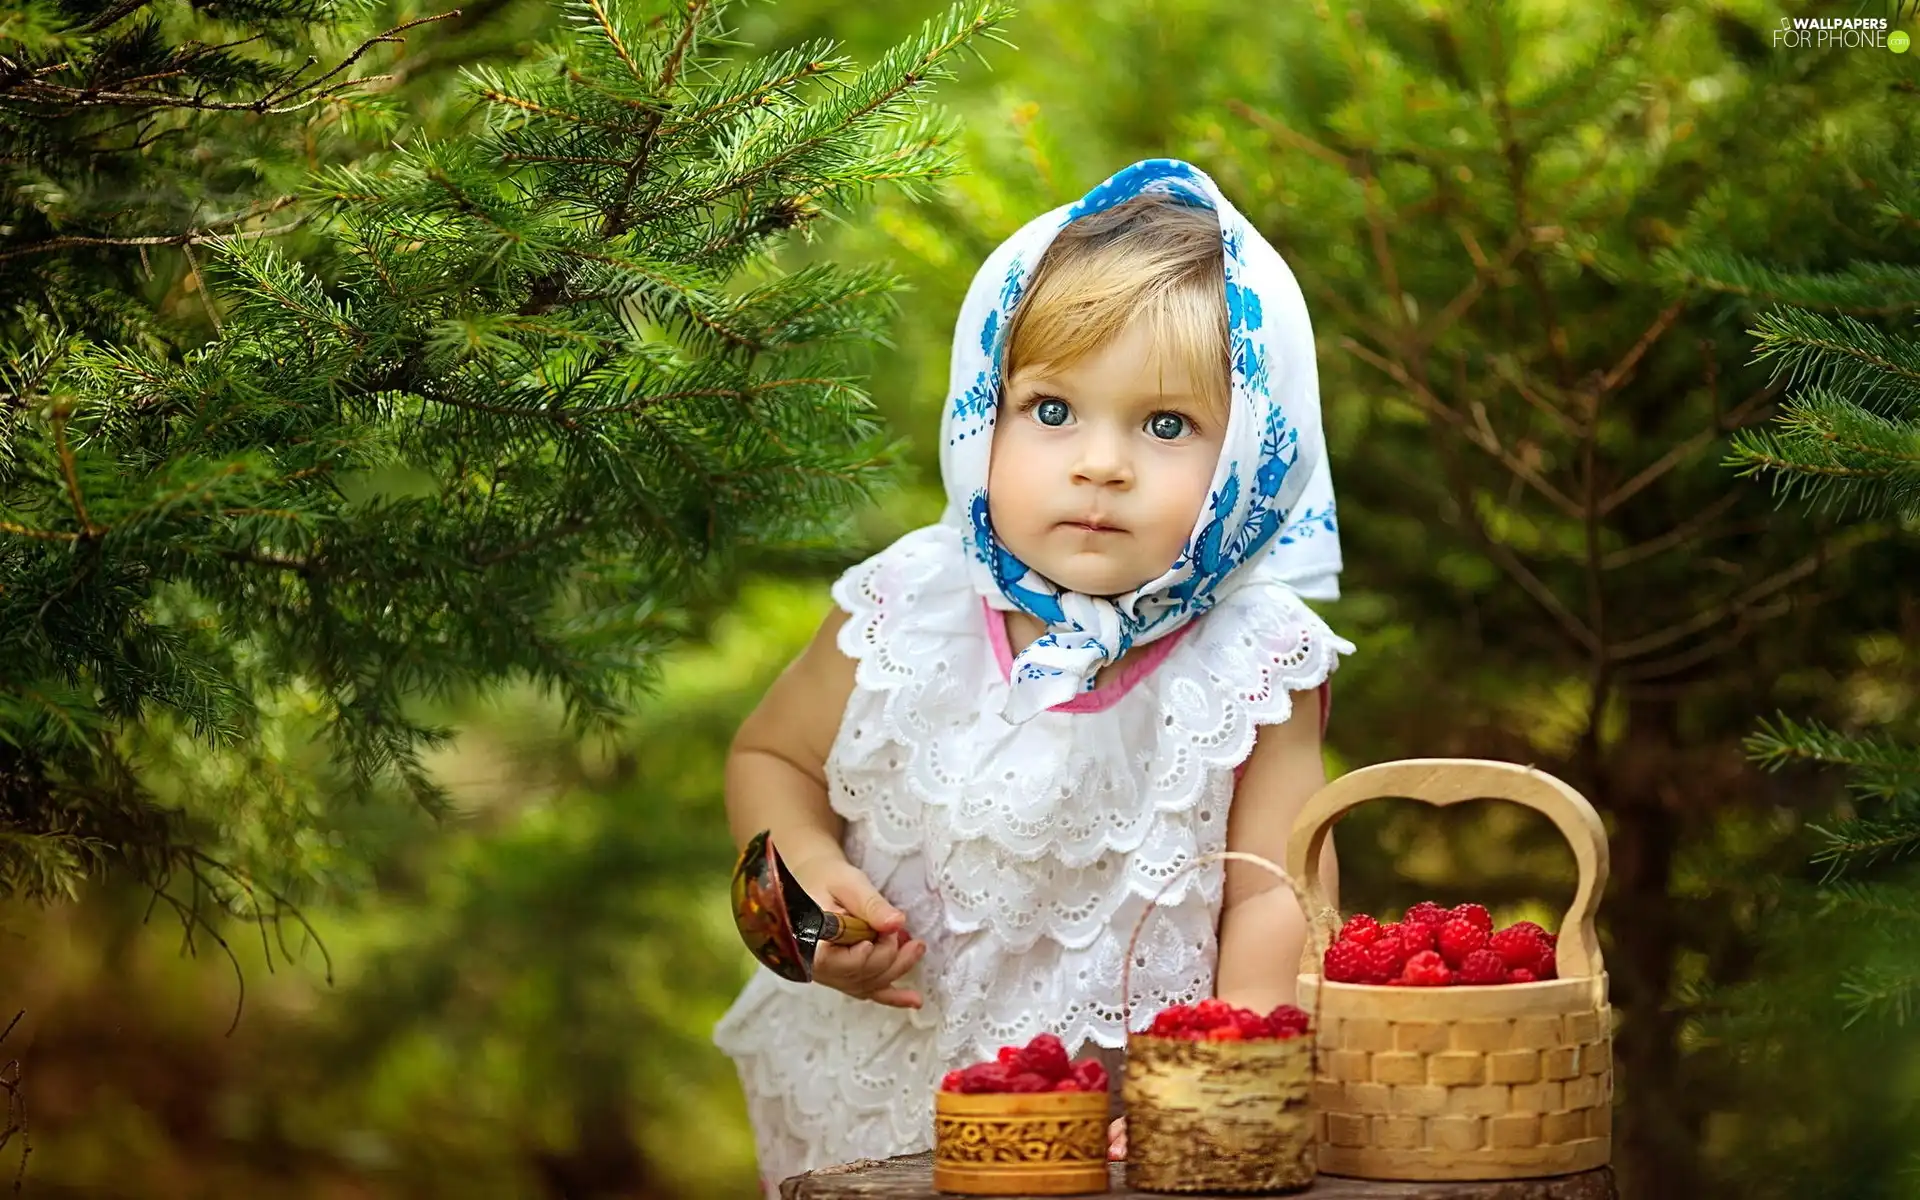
[{"x": 1101, "y": 458}]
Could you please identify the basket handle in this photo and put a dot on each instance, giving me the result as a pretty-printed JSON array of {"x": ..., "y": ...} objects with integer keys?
[
  {"x": 1126, "y": 964},
  {"x": 1443, "y": 781}
]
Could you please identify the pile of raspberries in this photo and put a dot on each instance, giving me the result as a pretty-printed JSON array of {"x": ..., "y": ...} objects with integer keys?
[
  {"x": 1215, "y": 1020},
  {"x": 1039, "y": 1066},
  {"x": 1437, "y": 947}
]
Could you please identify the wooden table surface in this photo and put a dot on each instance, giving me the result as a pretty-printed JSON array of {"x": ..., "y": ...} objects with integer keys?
[{"x": 911, "y": 1178}]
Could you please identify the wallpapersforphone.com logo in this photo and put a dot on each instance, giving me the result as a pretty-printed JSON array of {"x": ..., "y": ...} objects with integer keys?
[{"x": 1846, "y": 33}]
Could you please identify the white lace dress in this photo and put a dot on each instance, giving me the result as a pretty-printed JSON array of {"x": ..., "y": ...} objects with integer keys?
[{"x": 1022, "y": 854}]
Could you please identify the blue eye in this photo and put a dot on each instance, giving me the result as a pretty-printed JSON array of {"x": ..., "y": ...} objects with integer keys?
[
  {"x": 1166, "y": 426},
  {"x": 1051, "y": 412}
]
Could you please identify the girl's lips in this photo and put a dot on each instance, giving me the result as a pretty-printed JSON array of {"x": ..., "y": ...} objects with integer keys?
[{"x": 1091, "y": 527}]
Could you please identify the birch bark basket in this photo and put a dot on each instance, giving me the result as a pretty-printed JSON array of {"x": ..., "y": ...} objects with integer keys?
[{"x": 1233, "y": 1117}]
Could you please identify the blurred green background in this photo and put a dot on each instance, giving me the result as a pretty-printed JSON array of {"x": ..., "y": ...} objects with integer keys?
[{"x": 516, "y": 1003}]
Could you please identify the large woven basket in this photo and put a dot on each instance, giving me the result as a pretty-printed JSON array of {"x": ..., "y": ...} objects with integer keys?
[{"x": 1501, "y": 1082}]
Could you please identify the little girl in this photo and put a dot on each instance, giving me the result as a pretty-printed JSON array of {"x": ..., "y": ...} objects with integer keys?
[{"x": 1020, "y": 721}]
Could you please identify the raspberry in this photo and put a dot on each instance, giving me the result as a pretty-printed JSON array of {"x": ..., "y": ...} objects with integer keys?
[
  {"x": 1530, "y": 927},
  {"x": 1520, "y": 975},
  {"x": 1225, "y": 1033},
  {"x": 1009, "y": 1056},
  {"x": 1458, "y": 938},
  {"x": 1344, "y": 962},
  {"x": 1416, "y": 936},
  {"x": 1027, "y": 1081},
  {"x": 1068, "y": 1085},
  {"x": 986, "y": 1077},
  {"x": 1384, "y": 959},
  {"x": 1287, "y": 1021},
  {"x": 1172, "y": 1022},
  {"x": 1251, "y": 1024},
  {"x": 951, "y": 1081},
  {"x": 1425, "y": 913},
  {"x": 1546, "y": 967},
  {"x": 1090, "y": 1075},
  {"x": 1046, "y": 1057},
  {"x": 1362, "y": 929},
  {"x": 1483, "y": 967},
  {"x": 1428, "y": 969},
  {"x": 1477, "y": 913},
  {"x": 1518, "y": 947},
  {"x": 1212, "y": 1013}
]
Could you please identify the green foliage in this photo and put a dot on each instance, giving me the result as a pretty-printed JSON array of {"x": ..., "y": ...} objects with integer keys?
[
  {"x": 557, "y": 968},
  {"x": 1849, "y": 1086},
  {"x": 1851, "y": 434},
  {"x": 548, "y": 392},
  {"x": 1838, "y": 980},
  {"x": 131, "y": 134},
  {"x": 524, "y": 1011}
]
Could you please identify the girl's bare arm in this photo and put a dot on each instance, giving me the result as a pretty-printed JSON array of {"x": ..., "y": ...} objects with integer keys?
[
  {"x": 776, "y": 768},
  {"x": 1262, "y": 930},
  {"x": 776, "y": 780}
]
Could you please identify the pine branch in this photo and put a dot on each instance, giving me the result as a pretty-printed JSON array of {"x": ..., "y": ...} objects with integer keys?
[
  {"x": 1827, "y": 449},
  {"x": 42, "y": 98},
  {"x": 1878, "y": 767},
  {"x": 1747, "y": 598},
  {"x": 1864, "y": 289},
  {"x": 1854, "y": 845},
  {"x": 1885, "y": 905},
  {"x": 42, "y": 866},
  {"x": 777, "y": 79},
  {"x": 206, "y": 233},
  {"x": 618, "y": 218},
  {"x": 784, "y": 147},
  {"x": 1849, "y": 434},
  {"x": 1882, "y": 992},
  {"x": 1874, "y": 368}
]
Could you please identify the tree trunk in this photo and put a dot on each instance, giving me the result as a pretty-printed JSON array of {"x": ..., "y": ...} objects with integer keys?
[{"x": 1656, "y": 1147}]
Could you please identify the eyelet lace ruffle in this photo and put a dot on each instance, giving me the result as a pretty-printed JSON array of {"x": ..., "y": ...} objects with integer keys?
[{"x": 1023, "y": 854}]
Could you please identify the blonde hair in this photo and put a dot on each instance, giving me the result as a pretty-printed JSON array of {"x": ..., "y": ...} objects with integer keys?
[{"x": 1148, "y": 258}]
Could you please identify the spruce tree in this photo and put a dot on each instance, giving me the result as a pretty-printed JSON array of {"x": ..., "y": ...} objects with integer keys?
[
  {"x": 1826, "y": 1009},
  {"x": 1847, "y": 439},
  {"x": 546, "y": 387}
]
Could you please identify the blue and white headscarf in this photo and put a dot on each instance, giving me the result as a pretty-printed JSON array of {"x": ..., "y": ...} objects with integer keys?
[{"x": 1269, "y": 513}]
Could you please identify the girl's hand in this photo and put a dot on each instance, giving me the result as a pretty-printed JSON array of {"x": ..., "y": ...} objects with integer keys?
[
  {"x": 1117, "y": 1140},
  {"x": 864, "y": 970}
]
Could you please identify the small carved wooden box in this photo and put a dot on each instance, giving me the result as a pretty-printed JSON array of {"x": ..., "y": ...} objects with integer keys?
[{"x": 1020, "y": 1144}]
